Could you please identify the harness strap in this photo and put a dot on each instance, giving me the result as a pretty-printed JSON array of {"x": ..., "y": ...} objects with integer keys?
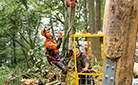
[{"x": 53, "y": 57}]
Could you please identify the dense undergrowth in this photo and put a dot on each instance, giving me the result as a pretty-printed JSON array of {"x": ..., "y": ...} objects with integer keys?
[
  {"x": 41, "y": 71},
  {"x": 9, "y": 75},
  {"x": 12, "y": 75}
]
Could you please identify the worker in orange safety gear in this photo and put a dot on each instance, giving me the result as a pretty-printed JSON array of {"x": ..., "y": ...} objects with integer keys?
[{"x": 52, "y": 49}]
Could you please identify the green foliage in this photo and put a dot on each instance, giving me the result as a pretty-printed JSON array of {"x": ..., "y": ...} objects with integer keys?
[
  {"x": 70, "y": 80},
  {"x": 21, "y": 45},
  {"x": 10, "y": 75},
  {"x": 136, "y": 58},
  {"x": 21, "y": 27},
  {"x": 5, "y": 73}
]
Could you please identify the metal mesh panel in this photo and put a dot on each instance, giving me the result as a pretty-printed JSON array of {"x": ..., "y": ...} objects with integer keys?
[
  {"x": 90, "y": 80},
  {"x": 96, "y": 76}
]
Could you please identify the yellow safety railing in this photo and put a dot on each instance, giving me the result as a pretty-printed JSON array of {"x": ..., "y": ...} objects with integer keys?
[{"x": 76, "y": 74}]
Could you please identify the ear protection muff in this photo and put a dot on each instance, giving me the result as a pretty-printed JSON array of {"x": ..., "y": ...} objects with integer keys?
[{"x": 47, "y": 33}]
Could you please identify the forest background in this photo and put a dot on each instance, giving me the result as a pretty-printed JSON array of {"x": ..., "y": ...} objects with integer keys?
[{"x": 22, "y": 48}]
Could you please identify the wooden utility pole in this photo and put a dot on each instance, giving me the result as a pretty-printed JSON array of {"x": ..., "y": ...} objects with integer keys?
[{"x": 120, "y": 28}]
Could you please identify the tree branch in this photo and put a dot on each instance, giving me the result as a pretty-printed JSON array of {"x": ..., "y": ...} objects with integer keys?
[
  {"x": 24, "y": 38},
  {"x": 20, "y": 44},
  {"x": 37, "y": 30},
  {"x": 57, "y": 17},
  {"x": 11, "y": 76},
  {"x": 27, "y": 61}
]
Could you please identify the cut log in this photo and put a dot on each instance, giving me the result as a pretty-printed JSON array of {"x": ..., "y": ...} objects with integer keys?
[
  {"x": 53, "y": 83},
  {"x": 29, "y": 82}
]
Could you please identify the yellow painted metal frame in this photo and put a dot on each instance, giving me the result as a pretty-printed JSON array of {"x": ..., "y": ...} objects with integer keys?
[
  {"x": 86, "y": 35},
  {"x": 71, "y": 75}
]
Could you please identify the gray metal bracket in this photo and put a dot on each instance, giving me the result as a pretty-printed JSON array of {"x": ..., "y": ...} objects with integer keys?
[{"x": 109, "y": 73}]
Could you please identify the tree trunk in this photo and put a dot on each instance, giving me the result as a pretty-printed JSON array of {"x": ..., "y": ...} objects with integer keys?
[
  {"x": 92, "y": 27},
  {"x": 98, "y": 15},
  {"x": 91, "y": 16},
  {"x": 69, "y": 14},
  {"x": 51, "y": 24},
  {"x": 85, "y": 15},
  {"x": 96, "y": 50},
  {"x": 66, "y": 15},
  {"x": 120, "y": 28},
  {"x": 68, "y": 26},
  {"x": 97, "y": 45},
  {"x": 14, "y": 51},
  {"x": 85, "y": 19},
  {"x": 95, "y": 42}
]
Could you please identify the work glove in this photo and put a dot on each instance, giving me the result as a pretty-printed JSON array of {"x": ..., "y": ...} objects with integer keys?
[{"x": 60, "y": 35}]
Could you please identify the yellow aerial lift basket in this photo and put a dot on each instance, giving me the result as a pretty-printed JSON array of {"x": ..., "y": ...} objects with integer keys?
[{"x": 73, "y": 77}]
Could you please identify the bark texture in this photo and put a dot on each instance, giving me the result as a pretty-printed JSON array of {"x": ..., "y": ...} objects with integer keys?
[
  {"x": 14, "y": 61},
  {"x": 91, "y": 16},
  {"x": 96, "y": 51},
  {"x": 85, "y": 15},
  {"x": 95, "y": 42},
  {"x": 120, "y": 28},
  {"x": 98, "y": 15},
  {"x": 71, "y": 25}
]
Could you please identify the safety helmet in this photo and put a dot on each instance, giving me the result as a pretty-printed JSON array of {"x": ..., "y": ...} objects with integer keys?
[
  {"x": 47, "y": 33},
  {"x": 72, "y": 3}
]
